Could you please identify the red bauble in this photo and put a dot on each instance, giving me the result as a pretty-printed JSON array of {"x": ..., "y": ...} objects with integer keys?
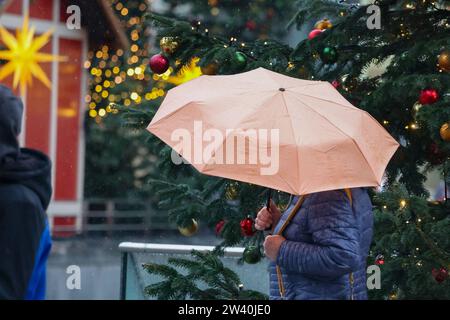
[
  {"x": 219, "y": 227},
  {"x": 440, "y": 274},
  {"x": 379, "y": 260},
  {"x": 314, "y": 33},
  {"x": 247, "y": 227},
  {"x": 159, "y": 63},
  {"x": 251, "y": 25},
  {"x": 335, "y": 84},
  {"x": 428, "y": 96}
]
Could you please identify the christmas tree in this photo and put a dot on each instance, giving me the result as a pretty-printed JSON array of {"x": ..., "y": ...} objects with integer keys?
[
  {"x": 392, "y": 60},
  {"x": 249, "y": 19}
]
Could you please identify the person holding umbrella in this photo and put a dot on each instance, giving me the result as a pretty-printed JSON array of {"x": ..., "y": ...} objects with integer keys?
[
  {"x": 326, "y": 152},
  {"x": 322, "y": 252}
]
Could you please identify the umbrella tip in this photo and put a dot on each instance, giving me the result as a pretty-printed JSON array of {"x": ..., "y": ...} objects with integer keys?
[{"x": 282, "y": 89}]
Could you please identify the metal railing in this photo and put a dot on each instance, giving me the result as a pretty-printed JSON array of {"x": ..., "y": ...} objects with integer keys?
[
  {"x": 123, "y": 215},
  {"x": 114, "y": 216}
]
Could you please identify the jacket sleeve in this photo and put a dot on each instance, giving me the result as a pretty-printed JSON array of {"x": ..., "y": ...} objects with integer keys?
[{"x": 335, "y": 247}]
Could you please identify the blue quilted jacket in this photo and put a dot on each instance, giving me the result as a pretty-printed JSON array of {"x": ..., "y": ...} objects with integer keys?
[{"x": 327, "y": 243}]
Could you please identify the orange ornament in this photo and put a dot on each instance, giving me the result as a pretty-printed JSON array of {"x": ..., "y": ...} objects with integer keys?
[
  {"x": 444, "y": 61},
  {"x": 190, "y": 230},
  {"x": 323, "y": 24},
  {"x": 445, "y": 132}
]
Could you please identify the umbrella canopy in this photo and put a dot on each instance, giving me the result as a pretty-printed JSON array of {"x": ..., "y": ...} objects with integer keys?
[{"x": 272, "y": 130}]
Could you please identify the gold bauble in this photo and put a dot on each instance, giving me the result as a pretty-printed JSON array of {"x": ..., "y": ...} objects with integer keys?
[
  {"x": 445, "y": 132},
  {"x": 231, "y": 191},
  {"x": 211, "y": 69},
  {"x": 168, "y": 44},
  {"x": 190, "y": 230},
  {"x": 444, "y": 61},
  {"x": 323, "y": 24}
]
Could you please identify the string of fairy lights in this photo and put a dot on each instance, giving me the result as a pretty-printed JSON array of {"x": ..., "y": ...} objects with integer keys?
[{"x": 110, "y": 68}]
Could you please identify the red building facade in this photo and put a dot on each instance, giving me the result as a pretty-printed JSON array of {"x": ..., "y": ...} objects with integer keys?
[{"x": 53, "y": 118}]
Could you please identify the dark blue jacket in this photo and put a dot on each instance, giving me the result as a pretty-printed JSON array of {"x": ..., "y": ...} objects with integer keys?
[
  {"x": 325, "y": 242},
  {"x": 25, "y": 193}
]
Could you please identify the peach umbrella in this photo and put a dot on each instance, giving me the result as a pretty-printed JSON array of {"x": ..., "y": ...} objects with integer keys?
[{"x": 272, "y": 130}]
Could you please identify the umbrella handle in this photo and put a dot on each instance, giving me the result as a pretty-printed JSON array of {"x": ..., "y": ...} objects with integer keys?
[{"x": 269, "y": 197}]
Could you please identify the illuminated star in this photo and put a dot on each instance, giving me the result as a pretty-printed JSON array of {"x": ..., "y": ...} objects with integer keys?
[
  {"x": 187, "y": 73},
  {"x": 24, "y": 56}
]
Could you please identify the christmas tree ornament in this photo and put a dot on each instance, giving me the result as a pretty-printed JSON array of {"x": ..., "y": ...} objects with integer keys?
[
  {"x": 444, "y": 61},
  {"x": 159, "y": 64},
  {"x": 189, "y": 230},
  {"x": 428, "y": 96},
  {"x": 247, "y": 227},
  {"x": 252, "y": 255},
  {"x": 376, "y": 68},
  {"x": 323, "y": 24},
  {"x": 329, "y": 55},
  {"x": 335, "y": 84},
  {"x": 393, "y": 296},
  {"x": 314, "y": 33},
  {"x": 168, "y": 44},
  {"x": 219, "y": 227},
  {"x": 232, "y": 191},
  {"x": 23, "y": 55},
  {"x": 187, "y": 73},
  {"x": 445, "y": 131},
  {"x": 250, "y": 25},
  {"x": 210, "y": 69},
  {"x": 349, "y": 83},
  {"x": 440, "y": 275},
  {"x": 379, "y": 260},
  {"x": 240, "y": 59}
]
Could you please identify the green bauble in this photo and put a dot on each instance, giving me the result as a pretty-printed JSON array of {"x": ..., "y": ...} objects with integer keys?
[
  {"x": 329, "y": 55},
  {"x": 240, "y": 60},
  {"x": 252, "y": 255}
]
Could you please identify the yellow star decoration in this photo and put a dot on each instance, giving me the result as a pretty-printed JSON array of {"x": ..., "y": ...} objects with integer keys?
[
  {"x": 187, "y": 73},
  {"x": 24, "y": 56}
]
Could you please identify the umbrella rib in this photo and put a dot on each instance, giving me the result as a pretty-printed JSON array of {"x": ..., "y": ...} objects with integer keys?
[
  {"x": 169, "y": 114},
  {"x": 295, "y": 138},
  {"x": 240, "y": 121},
  {"x": 271, "y": 75},
  {"x": 318, "y": 98},
  {"x": 205, "y": 165},
  {"x": 340, "y": 130},
  {"x": 317, "y": 83}
]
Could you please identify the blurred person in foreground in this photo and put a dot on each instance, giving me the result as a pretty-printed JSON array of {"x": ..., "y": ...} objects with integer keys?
[{"x": 25, "y": 192}]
